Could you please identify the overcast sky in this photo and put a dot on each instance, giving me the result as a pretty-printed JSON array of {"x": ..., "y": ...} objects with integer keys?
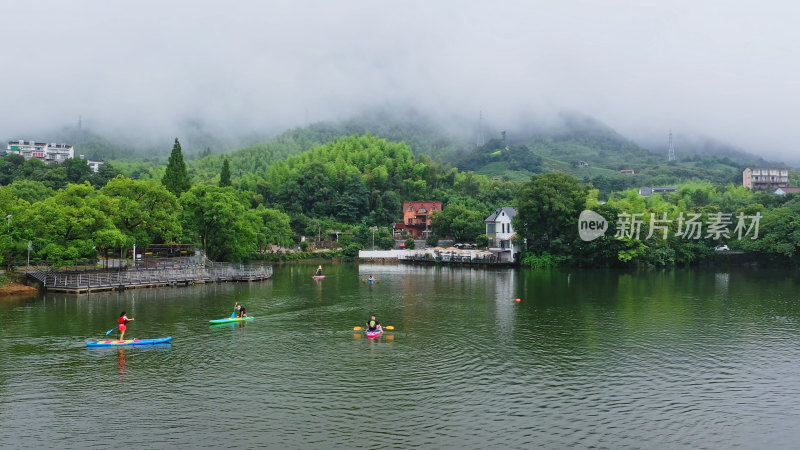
[{"x": 726, "y": 69}]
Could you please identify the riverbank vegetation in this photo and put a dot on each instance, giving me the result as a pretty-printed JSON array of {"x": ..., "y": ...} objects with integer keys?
[
  {"x": 313, "y": 189},
  {"x": 699, "y": 224}
]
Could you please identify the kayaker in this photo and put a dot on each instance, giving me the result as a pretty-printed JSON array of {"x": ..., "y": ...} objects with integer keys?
[
  {"x": 371, "y": 279},
  {"x": 319, "y": 271},
  {"x": 373, "y": 324},
  {"x": 123, "y": 320}
]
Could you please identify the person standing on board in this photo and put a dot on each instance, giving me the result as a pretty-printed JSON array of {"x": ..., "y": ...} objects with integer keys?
[
  {"x": 123, "y": 321},
  {"x": 319, "y": 271},
  {"x": 237, "y": 308}
]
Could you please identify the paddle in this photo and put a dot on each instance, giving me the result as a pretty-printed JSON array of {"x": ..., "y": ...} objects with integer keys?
[
  {"x": 387, "y": 327},
  {"x": 109, "y": 331}
]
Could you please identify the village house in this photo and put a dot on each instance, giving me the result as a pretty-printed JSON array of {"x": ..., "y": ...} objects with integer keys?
[
  {"x": 416, "y": 218},
  {"x": 501, "y": 234},
  {"x": 787, "y": 190}
]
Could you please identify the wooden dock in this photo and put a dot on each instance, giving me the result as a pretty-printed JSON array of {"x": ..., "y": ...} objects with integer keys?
[{"x": 86, "y": 281}]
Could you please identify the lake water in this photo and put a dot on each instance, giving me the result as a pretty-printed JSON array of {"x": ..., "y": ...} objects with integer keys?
[{"x": 695, "y": 359}]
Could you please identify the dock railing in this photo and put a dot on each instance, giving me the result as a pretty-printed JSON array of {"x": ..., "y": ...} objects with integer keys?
[{"x": 143, "y": 275}]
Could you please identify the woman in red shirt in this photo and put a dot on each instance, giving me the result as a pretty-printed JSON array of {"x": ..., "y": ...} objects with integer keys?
[{"x": 123, "y": 320}]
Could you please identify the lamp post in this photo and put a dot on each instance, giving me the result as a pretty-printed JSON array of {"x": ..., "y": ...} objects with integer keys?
[
  {"x": 373, "y": 238},
  {"x": 8, "y": 221}
]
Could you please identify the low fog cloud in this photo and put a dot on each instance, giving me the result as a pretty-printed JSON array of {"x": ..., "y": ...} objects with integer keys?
[{"x": 726, "y": 70}]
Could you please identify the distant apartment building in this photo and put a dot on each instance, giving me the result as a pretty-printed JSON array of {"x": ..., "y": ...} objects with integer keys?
[
  {"x": 764, "y": 178},
  {"x": 416, "y": 218},
  {"x": 48, "y": 152}
]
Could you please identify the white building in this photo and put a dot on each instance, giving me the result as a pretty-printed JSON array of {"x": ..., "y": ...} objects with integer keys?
[
  {"x": 48, "y": 153},
  {"x": 501, "y": 234},
  {"x": 94, "y": 163}
]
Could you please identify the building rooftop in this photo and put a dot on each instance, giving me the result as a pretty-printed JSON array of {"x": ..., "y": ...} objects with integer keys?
[{"x": 509, "y": 211}]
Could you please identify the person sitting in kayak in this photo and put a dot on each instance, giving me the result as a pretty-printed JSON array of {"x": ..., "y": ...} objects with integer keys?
[
  {"x": 319, "y": 271},
  {"x": 123, "y": 320},
  {"x": 373, "y": 324},
  {"x": 371, "y": 279}
]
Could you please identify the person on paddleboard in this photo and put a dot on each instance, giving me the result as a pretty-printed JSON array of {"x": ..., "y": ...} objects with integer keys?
[
  {"x": 319, "y": 271},
  {"x": 242, "y": 313},
  {"x": 237, "y": 310},
  {"x": 123, "y": 320},
  {"x": 373, "y": 324}
]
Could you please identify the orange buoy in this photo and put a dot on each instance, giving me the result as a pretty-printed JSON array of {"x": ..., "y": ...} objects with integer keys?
[{"x": 519, "y": 300}]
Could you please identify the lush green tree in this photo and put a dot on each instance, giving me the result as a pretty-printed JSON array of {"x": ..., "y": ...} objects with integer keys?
[
  {"x": 275, "y": 228},
  {"x": 459, "y": 222},
  {"x": 10, "y": 167},
  {"x": 353, "y": 204},
  {"x": 220, "y": 220},
  {"x": 144, "y": 211},
  {"x": 12, "y": 209},
  {"x": 352, "y": 249},
  {"x": 53, "y": 176},
  {"x": 105, "y": 173},
  {"x": 548, "y": 207},
  {"x": 779, "y": 235},
  {"x": 385, "y": 241},
  {"x": 388, "y": 209},
  {"x": 67, "y": 227},
  {"x": 77, "y": 170},
  {"x": 431, "y": 240},
  {"x": 225, "y": 174},
  {"x": 29, "y": 190},
  {"x": 362, "y": 235},
  {"x": 176, "y": 178}
]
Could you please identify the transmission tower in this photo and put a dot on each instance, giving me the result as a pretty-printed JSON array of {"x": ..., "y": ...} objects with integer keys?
[
  {"x": 671, "y": 153},
  {"x": 480, "y": 141}
]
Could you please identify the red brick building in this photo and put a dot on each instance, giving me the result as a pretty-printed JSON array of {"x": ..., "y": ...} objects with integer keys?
[{"x": 416, "y": 218}]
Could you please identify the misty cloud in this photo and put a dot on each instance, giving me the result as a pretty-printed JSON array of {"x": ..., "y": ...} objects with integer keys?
[{"x": 727, "y": 70}]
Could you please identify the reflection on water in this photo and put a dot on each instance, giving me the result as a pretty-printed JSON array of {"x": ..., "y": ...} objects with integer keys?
[
  {"x": 121, "y": 361},
  {"x": 586, "y": 358}
]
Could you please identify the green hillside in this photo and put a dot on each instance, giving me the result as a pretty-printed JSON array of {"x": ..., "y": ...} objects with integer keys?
[{"x": 529, "y": 149}]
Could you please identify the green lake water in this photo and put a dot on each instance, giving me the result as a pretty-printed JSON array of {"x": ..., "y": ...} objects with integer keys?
[{"x": 587, "y": 358}]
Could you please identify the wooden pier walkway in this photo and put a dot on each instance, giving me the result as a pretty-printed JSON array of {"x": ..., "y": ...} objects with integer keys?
[{"x": 80, "y": 282}]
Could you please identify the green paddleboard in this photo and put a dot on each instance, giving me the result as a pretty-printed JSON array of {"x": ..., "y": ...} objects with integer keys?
[{"x": 229, "y": 320}]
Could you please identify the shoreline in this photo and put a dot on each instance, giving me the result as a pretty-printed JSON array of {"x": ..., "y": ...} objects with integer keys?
[{"x": 16, "y": 289}]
